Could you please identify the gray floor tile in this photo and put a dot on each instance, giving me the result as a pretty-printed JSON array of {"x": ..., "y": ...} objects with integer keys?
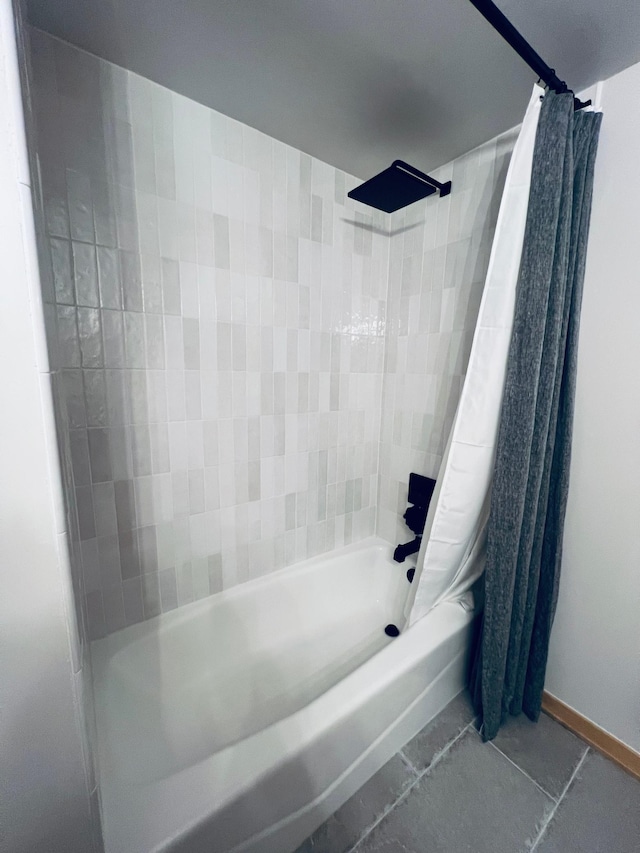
[
  {"x": 341, "y": 831},
  {"x": 474, "y": 801},
  {"x": 545, "y": 750},
  {"x": 599, "y": 814},
  {"x": 439, "y": 732}
]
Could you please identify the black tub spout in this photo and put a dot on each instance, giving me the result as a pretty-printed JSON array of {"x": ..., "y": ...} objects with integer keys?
[{"x": 403, "y": 551}]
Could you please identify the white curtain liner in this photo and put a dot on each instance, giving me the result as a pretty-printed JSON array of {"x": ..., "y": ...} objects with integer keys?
[{"x": 452, "y": 554}]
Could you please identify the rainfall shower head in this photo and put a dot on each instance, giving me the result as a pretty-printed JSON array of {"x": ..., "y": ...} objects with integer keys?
[{"x": 396, "y": 187}]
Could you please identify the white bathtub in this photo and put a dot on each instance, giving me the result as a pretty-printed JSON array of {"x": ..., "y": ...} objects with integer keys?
[{"x": 240, "y": 722}]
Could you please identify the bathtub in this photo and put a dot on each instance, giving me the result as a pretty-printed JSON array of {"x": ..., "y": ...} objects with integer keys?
[{"x": 241, "y": 721}]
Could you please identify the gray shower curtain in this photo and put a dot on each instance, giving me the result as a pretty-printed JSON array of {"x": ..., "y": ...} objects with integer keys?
[{"x": 531, "y": 478}]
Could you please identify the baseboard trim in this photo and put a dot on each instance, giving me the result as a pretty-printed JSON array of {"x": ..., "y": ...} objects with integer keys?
[{"x": 596, "y": 737}]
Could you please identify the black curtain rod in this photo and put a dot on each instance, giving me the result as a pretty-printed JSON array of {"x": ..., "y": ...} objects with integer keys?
[{"x": 510, "y": 34}]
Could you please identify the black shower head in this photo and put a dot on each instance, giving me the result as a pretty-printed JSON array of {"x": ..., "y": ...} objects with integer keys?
[{"x": 396, "y": 187}]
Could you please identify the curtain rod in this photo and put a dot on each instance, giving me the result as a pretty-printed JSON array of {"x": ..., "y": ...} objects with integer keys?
[{"x": 510, "y": 34}]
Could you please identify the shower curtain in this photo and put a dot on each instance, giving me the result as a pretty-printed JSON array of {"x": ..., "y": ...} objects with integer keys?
[
  {"x": 452, "y": 554},
  {"x": 530, "y": 484}
]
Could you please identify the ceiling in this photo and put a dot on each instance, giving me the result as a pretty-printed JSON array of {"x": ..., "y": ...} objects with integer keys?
[{"x": 357, "y": 83}]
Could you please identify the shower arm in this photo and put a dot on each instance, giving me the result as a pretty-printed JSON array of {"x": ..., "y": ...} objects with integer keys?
[
  {"x": 510, "y": 34},
  {"x": 444, "y": 189}
]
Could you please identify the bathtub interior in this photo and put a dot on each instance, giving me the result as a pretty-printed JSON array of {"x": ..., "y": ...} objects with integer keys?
[
  {"x": 195, "y": 681},
  {"x": 234, "y": 724}
]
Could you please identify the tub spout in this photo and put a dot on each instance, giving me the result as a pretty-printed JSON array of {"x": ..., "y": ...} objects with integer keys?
[{"x": 403, "y": 551}]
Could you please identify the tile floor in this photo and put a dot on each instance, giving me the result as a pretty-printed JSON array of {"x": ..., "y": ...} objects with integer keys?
[{"x": 534, "y": 788}]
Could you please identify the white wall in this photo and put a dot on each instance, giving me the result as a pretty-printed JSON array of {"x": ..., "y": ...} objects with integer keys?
[
  {"x": 47, "y": 788},
  {"x": 594, "y": 663}
]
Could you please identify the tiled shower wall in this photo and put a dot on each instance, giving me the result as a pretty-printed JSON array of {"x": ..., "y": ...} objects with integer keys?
[
  {"x": 216, "y": 328},
  {"x": 249, "y": 366},
  {"x": 438, "y": 261}
]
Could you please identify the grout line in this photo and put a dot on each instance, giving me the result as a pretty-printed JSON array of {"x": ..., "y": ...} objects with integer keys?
[
  {"x": 440, "y": 755},
  {"x": 437, "y": 758},
  {"x": 553, "y": 811},
  {"x": 408, "y": 762},
  {"x": 524, "y": 772}
]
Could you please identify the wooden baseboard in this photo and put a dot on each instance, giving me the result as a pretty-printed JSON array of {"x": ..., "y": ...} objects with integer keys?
[{"x": 596, "y": 737}]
